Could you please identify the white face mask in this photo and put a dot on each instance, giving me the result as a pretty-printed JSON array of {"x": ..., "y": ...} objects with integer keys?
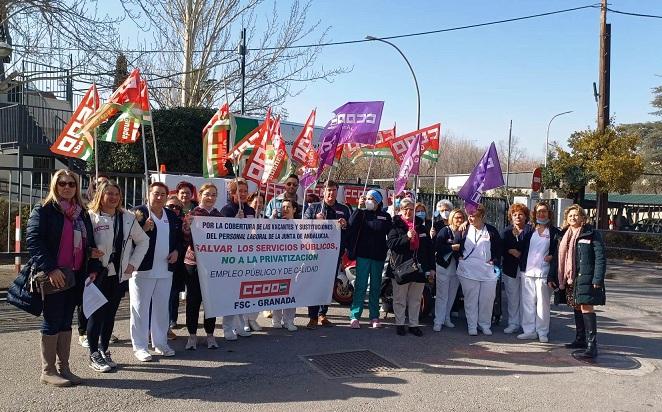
[
  {"x": 370, "y": 204},
  {"x": 445, "y": 214}
]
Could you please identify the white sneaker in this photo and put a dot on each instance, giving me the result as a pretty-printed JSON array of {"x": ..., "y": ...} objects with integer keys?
[
  {"x": 191, "y": 343},
  {"x": 247, "y": 328},
  {"x": 229, "y": 335},
  {"x": 543, "y": 339},
  {"x": 243, "y": 333},
  {"x": 436, "y": 328},
  {"x": 449, "y": 324},
  {"x": 511, "y": 329},
  {"x": 82, "y": 341},
  {"x": 291, "y": 327},
  {"x": 473, "y": 332},
  {"x": 211, "y": 342},
  {"x": 254, "y": 325},
  {"x": 276, "y": 325},
  {"x": 166, "y": 351},
  {"x": 142, "y": 355},
  {"x": 527, "y": 336},
  {"x": 487, "y": 331}
]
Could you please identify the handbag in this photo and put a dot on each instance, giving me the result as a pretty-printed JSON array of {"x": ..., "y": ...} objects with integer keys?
[
  {"x": 21, "y": 295},
  {"x": 41, "y": 283},
  {"x": 408, "y": 271}
]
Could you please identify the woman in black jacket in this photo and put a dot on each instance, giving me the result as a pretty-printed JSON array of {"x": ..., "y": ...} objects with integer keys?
[
  {"x": 406, "y": 242},
  {"x": 447, "y": 254},
  {"x": 538, "y": 272},
  {"x": 581, "y": 272},
  {"x": 59, "y": 239},
  {"x": 368, "y": 225}
]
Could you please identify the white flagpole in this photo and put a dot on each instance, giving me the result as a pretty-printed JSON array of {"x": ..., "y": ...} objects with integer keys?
[
  {"x": 142, "y": 126},
  {"x": 365, "y": 186},
  {"x": 156, "y": 153},
  {"x": 96, "y": 157}
]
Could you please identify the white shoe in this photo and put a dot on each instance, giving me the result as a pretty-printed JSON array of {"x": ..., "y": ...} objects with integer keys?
[
  {"x": 247, "y": 328},
  {"x": 511, "y": 329},
  {"x": 527, "y": 336},
  {"x": 254, "y": 325},
  {"x": 473, "y": 332},
  {"x": 211, "y": 342},
  {"x": 276, "y": 325},
  {"x": 191, "y": 343},
  {"x": 436, "y": 328},
  {"x": 291, "y": 327},
  {"x": 449, "y": 324},
  {"x": 142, "y": 355},
  {"x": 165, "y": 351},
  {"x": 487, "y": 331},
  {"x": 543, "y": 339},
  {"x": 229, "y": 335},
  {"x": 82, "y": 341},
  {"x": 243, "y": 333}
]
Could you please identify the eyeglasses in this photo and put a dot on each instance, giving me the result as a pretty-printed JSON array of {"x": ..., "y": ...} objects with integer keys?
[
  {"x": 174, "y": 207},
  {"x": 65, "y": 184},
  {"x": 288, "y": 184}
]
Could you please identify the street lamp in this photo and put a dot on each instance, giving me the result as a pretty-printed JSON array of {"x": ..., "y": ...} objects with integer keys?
[
  {"x": 547, "y": 138},
  {"x": 418, "y": 93}
]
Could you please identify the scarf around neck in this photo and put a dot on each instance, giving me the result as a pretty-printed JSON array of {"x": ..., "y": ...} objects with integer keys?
[
  {"x": 73, "y": 213},
  {"x": 414, "y": 241},
  {"x": 567, "y": 250}
]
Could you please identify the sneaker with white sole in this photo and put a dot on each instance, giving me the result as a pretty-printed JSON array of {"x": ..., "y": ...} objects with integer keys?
[
  {"x": 243, "y": 333},
  {"x": 191, "y": 343},
  {"x": 436, "y": 327},
  {"x": 449, "y": 324},
  {"x": 142, "y": 355},
  {"x": 511, "y": 329},
  {"x": 82, "y": 341},
  {"x": 211, "y": 342},
  {"x": 108, "y": 359},
  {"x": 473, "y": 332},
  {"x": 276, "y": 325},
  {"x": 375, "y": 324},
  {"x": 254, "y": 325},
  {"x": 166, "y": 351},
  {"x": 229, "y": 335},
  {"x": 487, "y": 331},
  {"x": 543, "y": 339},
  {"x": 527, "y": 336},
  {"x": 114, "y": 339},
  {"x": 98, "y": 363},
  {"x": 291, "y": 326},
  {"x": 354, "y": 324}
]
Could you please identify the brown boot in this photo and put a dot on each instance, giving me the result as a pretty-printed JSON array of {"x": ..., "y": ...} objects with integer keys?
[
  {"x": 48, "y": 372},
  {"x": 63, "y": 350},
  {"x": 312, "y": 324},
  {"x": 324, "y": 321}
]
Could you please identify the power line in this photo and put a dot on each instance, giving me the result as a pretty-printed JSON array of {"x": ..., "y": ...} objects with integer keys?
[
  {"x": 634, "y": 14},
  {"x": 339, "y": 43}
]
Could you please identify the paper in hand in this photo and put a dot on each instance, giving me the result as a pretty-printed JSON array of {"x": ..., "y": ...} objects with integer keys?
[{"x": 93, "y": 299}]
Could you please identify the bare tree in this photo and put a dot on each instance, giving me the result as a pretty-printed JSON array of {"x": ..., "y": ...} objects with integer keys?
[
  {"x": 198, "y": 40},
  {"x": 63, "y": 34},
  {"x": 520, "y": 159}
]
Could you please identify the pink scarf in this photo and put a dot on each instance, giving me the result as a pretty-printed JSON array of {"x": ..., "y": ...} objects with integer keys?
[
  {"x": 567, "y": 250},
  {"x": 73, "y": 213},
  {"x": 414, "y": 242}
]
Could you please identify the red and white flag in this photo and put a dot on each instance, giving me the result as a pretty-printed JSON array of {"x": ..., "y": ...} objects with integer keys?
[
  {"x": 256, "y": 163},
  {"x": 215, "y": 143},
  {"x": 303, "y": 153},
  {"x": 70, "y": 142},
  {"x": 429, "y": 143}
]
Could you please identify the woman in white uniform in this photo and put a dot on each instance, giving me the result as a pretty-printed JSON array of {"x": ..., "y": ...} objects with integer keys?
[
  {"x": 481, "y": 249},
  {"x": 539, "y": 273},
  {"x": 152, "y": 281}
]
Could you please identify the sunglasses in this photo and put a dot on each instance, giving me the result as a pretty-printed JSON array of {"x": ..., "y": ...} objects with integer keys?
[
  {"x": 65, "y": 184},
  {"x": 174, "y": 207}
]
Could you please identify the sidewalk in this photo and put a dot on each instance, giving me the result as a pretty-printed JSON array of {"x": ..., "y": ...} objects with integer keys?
[{"x": 440, "y": 371}]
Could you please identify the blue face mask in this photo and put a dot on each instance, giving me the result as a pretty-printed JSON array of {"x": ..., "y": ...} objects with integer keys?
[
  {"x": 542, "y": 221},
  {"x": 397, "y": 203},
  {"x": 421, "y": 215}
]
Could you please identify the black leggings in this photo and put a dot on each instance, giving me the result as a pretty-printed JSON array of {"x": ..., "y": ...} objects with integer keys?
[
  {"x": 101, "y": 323},
  {"x": 193, "y": 301}
]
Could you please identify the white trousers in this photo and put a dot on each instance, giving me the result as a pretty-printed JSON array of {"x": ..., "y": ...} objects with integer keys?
[
  {"x": 407, "y": 299},
  {"x": 142, "y": 292},
  {"x": 285, "y": 316},
  {"x": 447, "y": 284},
  {"x": 249, "y": 316},
  {"x": 535, "y": 305},
  {"x": 478, "y": 302},
  {"x": 513, "y": 293},
  {"x": 231, "y": 323}
]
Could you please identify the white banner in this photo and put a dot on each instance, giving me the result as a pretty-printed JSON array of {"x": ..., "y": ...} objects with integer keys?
[{"x": 250, "y": 265}]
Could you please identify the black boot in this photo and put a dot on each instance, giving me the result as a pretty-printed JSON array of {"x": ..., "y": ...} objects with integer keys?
[
  {"x": 580, "y": 337},
  {"x": 591, "y": 336}
]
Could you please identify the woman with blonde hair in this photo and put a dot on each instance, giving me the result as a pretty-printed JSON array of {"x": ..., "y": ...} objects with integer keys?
[
  {"x": 124, "y": 245},
  {"x": 581, "y": 273},
  {"x": 447, "y": 245},
  {"x": 60, "y": 242}
]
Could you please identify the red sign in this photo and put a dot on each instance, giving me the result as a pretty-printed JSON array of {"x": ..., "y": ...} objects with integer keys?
[
  {"x": 536, "y": 182},
  {"x": 352, "y": 194},
  {"x": 264, "y": 288}
]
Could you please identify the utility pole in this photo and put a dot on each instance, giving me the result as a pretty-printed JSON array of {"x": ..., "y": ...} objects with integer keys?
[
  {"x": 602, "y": 198},
  {"x": 242, "y": 53}
]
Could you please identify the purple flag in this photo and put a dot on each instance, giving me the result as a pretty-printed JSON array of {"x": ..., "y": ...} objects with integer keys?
[
  {"x": 410, "y": 164},
  {"x": 485, "y": 176},
  {"x": 308, "y": 179},
  {"x": 327, "y": 149}
]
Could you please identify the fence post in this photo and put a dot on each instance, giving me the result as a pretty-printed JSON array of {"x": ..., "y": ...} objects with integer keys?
[{"x": 17, "y": 244}]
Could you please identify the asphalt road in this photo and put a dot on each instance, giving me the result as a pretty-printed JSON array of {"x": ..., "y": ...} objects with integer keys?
[{"x": 440, "y": 371}]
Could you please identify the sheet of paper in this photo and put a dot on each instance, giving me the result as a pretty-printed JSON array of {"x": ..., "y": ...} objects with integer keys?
[{"x": 93, "y": 299}]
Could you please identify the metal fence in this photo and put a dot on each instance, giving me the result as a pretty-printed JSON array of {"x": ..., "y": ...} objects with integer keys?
[{"x": 496, "y": 207}]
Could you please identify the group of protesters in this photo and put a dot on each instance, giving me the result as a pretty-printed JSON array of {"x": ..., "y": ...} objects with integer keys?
[{"x": 149, "y": 251}]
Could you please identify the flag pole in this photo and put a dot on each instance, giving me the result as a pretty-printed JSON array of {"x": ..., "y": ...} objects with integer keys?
[
  {"x": 96, "y": 157},
  {"x": 365, "y": 186},
  {"x": 142, "y": 126},
  {"x": 156, "y": 153}
]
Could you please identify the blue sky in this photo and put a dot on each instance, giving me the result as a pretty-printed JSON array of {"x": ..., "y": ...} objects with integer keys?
[{"x": 475, "y": 81}]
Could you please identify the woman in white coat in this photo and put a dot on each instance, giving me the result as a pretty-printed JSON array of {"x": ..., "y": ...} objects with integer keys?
[
  {"x": 124, "y": 244},
  {"x": 481, "y": 250}
]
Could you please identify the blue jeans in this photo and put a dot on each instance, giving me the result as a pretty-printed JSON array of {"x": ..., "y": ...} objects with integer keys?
[{"x": 59, "y": 311}]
